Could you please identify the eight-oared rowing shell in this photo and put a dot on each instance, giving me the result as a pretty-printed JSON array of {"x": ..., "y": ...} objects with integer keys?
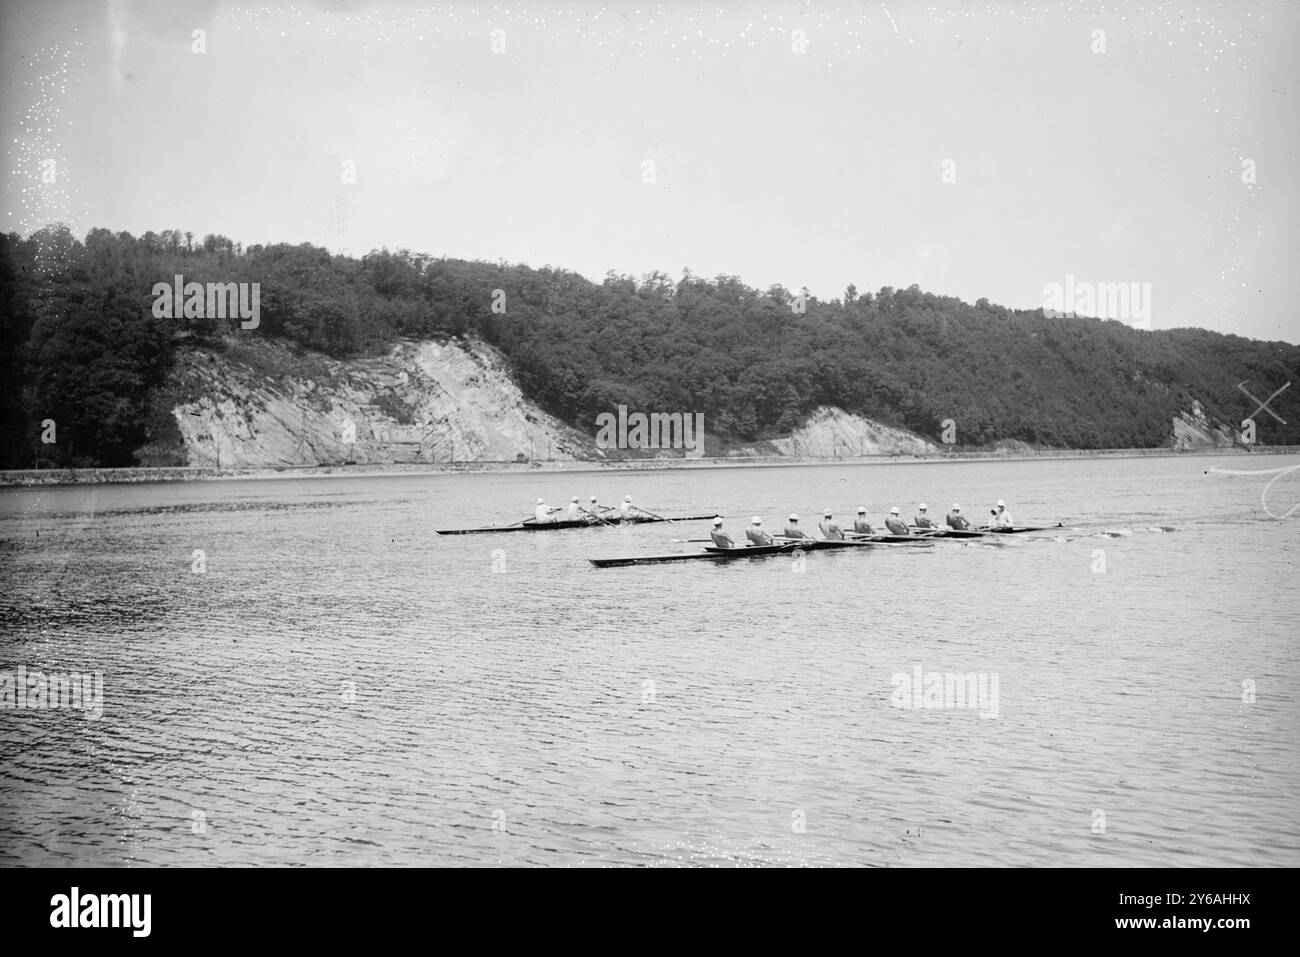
[
  {"x": 534, "y": 526},
  {"x": 715, "y": 553},
  {"x": 981, "y": 532},
  {"x": 711, "y": 553}
]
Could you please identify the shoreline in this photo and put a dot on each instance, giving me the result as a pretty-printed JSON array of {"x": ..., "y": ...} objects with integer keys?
[{"x": 26, "y": 478}]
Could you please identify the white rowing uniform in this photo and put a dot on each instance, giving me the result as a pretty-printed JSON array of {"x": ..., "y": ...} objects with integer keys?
[
  {"x": 541, "y": 513},
  {"x": 573, "y": 511},
  {"x": 1003, "y": 519}
]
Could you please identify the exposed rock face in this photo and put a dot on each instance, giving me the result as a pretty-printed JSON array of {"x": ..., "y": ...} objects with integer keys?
[
  {"x": 1192, "y": 430},
  {"x": 263, "y": 405},
  {"x": 423, "y": 402},
  {"x": 831, "y": 432}
]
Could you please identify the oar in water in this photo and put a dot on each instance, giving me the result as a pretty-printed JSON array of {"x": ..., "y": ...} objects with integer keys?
[{"x": 638, "y": 508}]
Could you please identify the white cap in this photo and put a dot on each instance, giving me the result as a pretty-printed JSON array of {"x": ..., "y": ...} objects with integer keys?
[
  {"x": 756, "y": 521},
  {"x": 627, "y": 498},
  {"x": 794, "y": 517},
  {"x": 862, "y": 510},
  {"x": 956, "y": 507},
  {"x": 894, "y": 510},
  {"x": 593, "y": 498},
  {"x": 541, "y": 501},
  {"x": 718, "y": 520},
  {"x": 574, "y": 499},
  {"x": 921, "y": 506},
  {"x": 826, "y": 514},
  {"x": 1001, "y": 504}
]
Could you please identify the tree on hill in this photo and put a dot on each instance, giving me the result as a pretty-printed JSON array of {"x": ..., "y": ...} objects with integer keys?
[{"x": 79, "y": 344}]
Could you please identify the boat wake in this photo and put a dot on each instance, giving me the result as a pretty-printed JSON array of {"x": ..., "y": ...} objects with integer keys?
[{"x": 1263, "y": 495}]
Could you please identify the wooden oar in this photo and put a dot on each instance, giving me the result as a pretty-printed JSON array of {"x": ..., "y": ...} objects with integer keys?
[
  {"x": 638, "y": 508},
  {"x": 597, "y": 517}
]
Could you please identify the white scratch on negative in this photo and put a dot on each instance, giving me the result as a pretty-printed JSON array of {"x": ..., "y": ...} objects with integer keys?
[{"x": 891, "y": 18}]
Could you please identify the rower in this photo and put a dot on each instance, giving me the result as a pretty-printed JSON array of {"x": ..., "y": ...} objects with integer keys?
[
  {"x": 923, "y": 520},
  {"x": 594, "y": 509},
  {"x": 1001, "y": 517},
  {"x": 895, "y": 523},
  {"x": 860, "y": 524},
  {"x": 720, "y": 538},
  {"x": 755, "y": 533},
  {"x": 572, "y": 514},
  {"x": 792, "y": 529},
  {"x": 830, "y": 531},
  {"x": 956, "y": 519},
  {"x": 626, "y": 509},
  {"x": 542, "y": 513}
]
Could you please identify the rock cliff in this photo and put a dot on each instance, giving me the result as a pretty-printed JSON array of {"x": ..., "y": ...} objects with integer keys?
[
  {"x": 1193, "y": 430},
  {"x": 262, "y": 405},
  {"x": 831, "y": 432}
]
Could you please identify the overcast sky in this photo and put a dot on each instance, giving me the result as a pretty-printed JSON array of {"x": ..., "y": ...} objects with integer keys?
[{"x": 641, "y": 136}]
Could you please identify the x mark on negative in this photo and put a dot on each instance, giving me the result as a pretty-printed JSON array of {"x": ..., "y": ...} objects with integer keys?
[{"x": 1263, "y": 405}]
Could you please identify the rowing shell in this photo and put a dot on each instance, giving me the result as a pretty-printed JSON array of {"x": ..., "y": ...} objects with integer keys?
[
  {"x": 714, "y": 553},
  {"x": 1015, "y": 530},
  {"x": 981, "y": 532},
  {"x": 534, "y": 526}
]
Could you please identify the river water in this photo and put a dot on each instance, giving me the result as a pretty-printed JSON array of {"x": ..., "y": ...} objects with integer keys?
[{"x": 331, "y": 683}]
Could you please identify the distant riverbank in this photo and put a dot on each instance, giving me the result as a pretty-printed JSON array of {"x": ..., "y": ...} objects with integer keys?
[{"x": 90, "y": 476}]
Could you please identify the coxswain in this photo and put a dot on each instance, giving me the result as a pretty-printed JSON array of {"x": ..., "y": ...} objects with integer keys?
[
  {"x": 860, "y": 524},
  {"x": 923, "y": 520},
  {"x": 721, "y": 538},
  {"x": 956, "y": 519},
  {"x": 895, "y": 523},
  {"x": 830, "y": 531},
  {"x": 792, "y": 529},
  {"x": 755, "y": 533},
  {"x": 1001, "y": 517}
]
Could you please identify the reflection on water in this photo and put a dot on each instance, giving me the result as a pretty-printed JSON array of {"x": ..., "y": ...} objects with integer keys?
[{"x": 333, "y": 683}]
